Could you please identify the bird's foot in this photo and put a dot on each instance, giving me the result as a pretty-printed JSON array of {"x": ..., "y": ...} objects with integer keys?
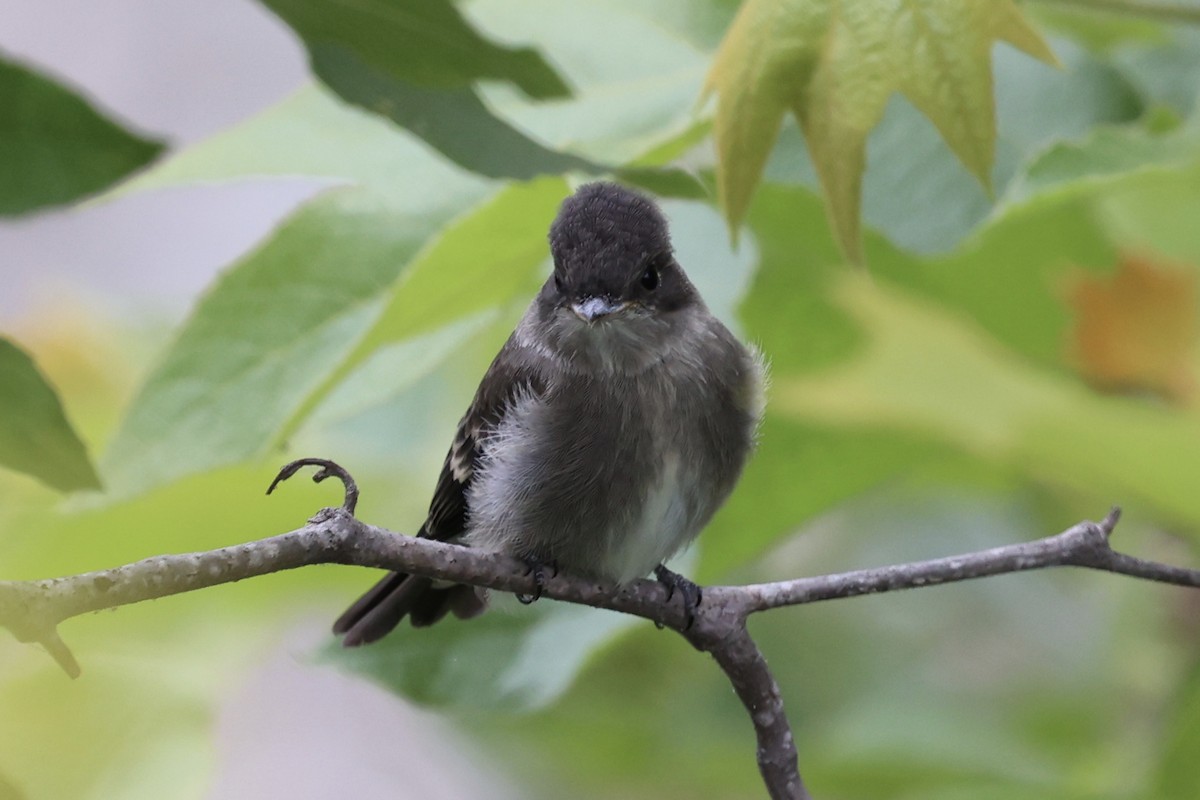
[
  {"x": 688, "y": 591},
  {"x": 540, "y": 571}
]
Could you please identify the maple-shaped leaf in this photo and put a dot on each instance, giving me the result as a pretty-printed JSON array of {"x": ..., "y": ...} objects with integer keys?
[
  {"x": 834, "y": 64},
  {"x": 1137, "y": 330}
]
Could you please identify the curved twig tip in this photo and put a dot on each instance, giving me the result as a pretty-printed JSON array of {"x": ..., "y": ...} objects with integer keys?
[
  {"x": 328, "y": 469},
  {"x": 1110, "y": 520}
]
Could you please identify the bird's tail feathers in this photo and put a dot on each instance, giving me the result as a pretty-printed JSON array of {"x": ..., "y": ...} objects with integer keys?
[{"x": 398, "y": 595}]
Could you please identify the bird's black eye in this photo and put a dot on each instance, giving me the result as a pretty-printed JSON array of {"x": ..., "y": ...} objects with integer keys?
[{"x": 650, "y": 278}]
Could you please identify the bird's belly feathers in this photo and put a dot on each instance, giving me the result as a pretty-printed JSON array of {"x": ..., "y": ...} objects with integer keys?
[{"x": 664, "y": 523}]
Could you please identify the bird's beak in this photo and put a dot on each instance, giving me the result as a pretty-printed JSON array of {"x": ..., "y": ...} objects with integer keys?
[{"x": 591, "y": 309}]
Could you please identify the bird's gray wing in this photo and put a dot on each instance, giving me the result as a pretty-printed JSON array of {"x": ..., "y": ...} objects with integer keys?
[{"x": 516, "y": 372}]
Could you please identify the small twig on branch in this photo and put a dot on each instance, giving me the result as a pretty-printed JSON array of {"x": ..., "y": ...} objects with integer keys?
[{"x": 32, "y": 610}]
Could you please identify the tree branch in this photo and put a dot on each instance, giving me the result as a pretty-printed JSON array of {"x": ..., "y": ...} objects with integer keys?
[
  {"x": 747, "y": 670},
  {"x": 32, "y": 610}
]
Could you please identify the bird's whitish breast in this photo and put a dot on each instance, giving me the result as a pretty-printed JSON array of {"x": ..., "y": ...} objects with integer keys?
[{"x": 664, "y": 523}]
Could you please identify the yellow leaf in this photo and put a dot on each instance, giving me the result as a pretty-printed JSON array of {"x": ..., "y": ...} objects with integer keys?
[
  {"x": 1138, "y": 329},
  {"x": 834, "y": 64}
]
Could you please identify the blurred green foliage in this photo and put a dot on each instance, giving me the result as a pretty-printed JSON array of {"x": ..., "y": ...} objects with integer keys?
[
  {"x": 56, "y": 148},
  {"x": 35, "y": 436},
  {"x": 931, "y": 405}
]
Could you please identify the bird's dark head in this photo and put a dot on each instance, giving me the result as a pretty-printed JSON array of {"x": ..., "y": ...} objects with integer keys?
[
  {"x": 612, "y": 252},
  {"x": 616, "y": 287}
]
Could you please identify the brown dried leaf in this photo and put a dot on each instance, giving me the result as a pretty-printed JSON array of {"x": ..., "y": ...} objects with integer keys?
[{"x": 1137, "y": 329}]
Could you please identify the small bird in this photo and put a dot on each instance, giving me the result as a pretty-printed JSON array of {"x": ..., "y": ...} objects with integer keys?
[{"x": 613, "y": 423}]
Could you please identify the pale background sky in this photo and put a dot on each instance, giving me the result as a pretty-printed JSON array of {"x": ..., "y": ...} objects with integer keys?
[{"x": 181, "y": 70}]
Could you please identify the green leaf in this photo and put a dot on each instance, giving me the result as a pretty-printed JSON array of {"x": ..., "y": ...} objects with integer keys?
[
  {"x": 664, "y": 182},
  {"x": 513, "y": 659},
  {"x": 455, "y": 122},
  {"x": 1104, "y": 155},
  {"x": 501, "y": 244},
  {"x": 1152, "y": 211},
  {"x": 458, "y": 124},
  {"x": 35, "y": 436},
  {"x": 622, "y": 107},
  {"x": 427, "y": 43},
  {"x": 268, "y": 335},
  {"x": 834, "y": 65},
  {"x": 416, "y": 63},
  {"x": 54, "y": 147},
  {"x": 311, "y": 134},
  {"x": 403, "y": 62},
  {"x": 367, "y": 382},
  {"x": 619, "y": 115}
]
